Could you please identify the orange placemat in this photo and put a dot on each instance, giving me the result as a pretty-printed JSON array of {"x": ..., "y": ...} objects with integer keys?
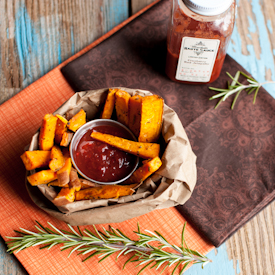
[{"x": 20, "y": 118}]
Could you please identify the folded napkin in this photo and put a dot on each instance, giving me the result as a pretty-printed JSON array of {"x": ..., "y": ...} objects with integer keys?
[
  {"x": 235, "y": 149},
  {"x": 20, "y": 118}
]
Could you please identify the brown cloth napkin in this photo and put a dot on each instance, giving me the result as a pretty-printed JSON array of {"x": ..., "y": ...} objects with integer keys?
[{"x": 234, "y": 148}]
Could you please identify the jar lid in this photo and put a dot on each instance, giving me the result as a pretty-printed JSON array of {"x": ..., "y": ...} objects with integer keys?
[{"x": 208, "y": 7}]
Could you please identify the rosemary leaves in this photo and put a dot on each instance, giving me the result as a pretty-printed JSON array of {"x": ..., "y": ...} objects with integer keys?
[
  {"x": 235, "y": 87},
  {"x": 110, "y": 242}
]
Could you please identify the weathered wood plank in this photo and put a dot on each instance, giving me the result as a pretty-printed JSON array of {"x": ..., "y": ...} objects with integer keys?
[
  {"x": 38, "y": 35},
  {"x": 9, "y": 265},
  {"x": 253, "y": 245},
  {"x": 253, "y": 44}
]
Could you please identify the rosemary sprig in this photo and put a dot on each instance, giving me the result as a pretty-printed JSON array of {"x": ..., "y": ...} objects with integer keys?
[
  {"x": 235, "y": 87},
  {"x": 108, "y": 242}
]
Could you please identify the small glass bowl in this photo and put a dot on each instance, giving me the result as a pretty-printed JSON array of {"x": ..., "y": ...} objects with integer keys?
[{"x": 88, "y": 126}]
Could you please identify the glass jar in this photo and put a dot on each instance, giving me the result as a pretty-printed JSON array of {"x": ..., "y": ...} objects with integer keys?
[{"x": 199, "y": 32}]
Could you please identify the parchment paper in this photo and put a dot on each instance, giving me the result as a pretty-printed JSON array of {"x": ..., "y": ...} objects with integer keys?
[{"x": 171, "y": 185}]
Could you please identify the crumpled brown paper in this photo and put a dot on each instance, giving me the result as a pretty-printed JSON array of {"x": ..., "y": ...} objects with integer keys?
[{"x": 171, "y": 185}]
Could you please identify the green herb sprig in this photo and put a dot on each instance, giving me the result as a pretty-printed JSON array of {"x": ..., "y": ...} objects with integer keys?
[
  {"x": 235, "y": 87},
  {"x": 110, "y": 242}
]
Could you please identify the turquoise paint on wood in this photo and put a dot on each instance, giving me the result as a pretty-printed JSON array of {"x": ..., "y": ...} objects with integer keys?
[
  {"x": 269, "y": 26},
  {"x": 23, "y": 41},
  {"x": 116, "y": 12},
  {"x": 72, "y": 41},
  {"x": 59, "y": 53},
  {"x": 31, "y": 47},
  {"x": 220, "y": 265},
  {"x": 35, "y": 54}
]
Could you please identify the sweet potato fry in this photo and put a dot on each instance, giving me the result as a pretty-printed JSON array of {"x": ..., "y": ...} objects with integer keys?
[
  {"x": 42, "y": 177},
  {"x": 151, "y": 118},
  {"x": 143, "y": 172},
  {"x": 83, "y": 182},
  {"x": 57, "y": 159},
  {"x": 77, "y": 120},
  {"x": 121, "y": 104},
  {"x": 135, "y": 114},
  {"x": 47, "y": 132},
  {"x": 66, "y": 139},
  {"x": 109, "y": 104},
  {"x": 103, "y": 192},
  {"x": 63, "y": 175},
  {"x": 62, "y": 118},
  {"x": 74, "y": 182},
  {"x": 143, "y": 150},
  {"x": 35, "y": 159},
  {"x": 56, "y": 183},
  {"x": 65, "y": 196},
  {"x": 61, "y": 127},
  {"x": 88, "y": 184}
]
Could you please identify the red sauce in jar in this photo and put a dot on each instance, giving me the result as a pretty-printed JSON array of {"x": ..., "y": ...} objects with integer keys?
[
  {"x": 100, "y": 161},
  {"x": 185, "y": 25}
]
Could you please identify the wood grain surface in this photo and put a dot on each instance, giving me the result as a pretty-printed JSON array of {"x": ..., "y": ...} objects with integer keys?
[{"x": 35, "y": 36}]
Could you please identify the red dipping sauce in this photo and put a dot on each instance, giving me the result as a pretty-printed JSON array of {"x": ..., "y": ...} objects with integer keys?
[{"x": 100, "y": 161}]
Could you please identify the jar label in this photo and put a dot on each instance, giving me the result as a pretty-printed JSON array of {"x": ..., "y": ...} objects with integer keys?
[{"x": 197, "y": 58}]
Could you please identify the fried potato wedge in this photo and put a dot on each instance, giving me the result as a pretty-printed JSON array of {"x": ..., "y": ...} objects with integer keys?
[
  {"x": 146, "y": 170},
  {"x": 103, "y": 192},
  {"x": 151, "y": 118},
  {"x": 57, "y": 159},
  {"x": 140, "y": 149},
  {"x": 36, "y": 159},
  {"x": 121, "y": 105},
  {"x": 74, "y": 182},
  {"x": 109, "y": 104},
  {"x": 61, "y": 128},
  {"x": 65, "y": 196},
  {"x": 77, "y": 120},
  {"x": 63, "y": 175},
  {"x": 88, "y": 184},
  {"x": 42, "y": 177},
  {"x": 85, "y": 184},
  {"x": 47, "y": 132},
  {"x": 135, "y": 114},
  {"x": 66, "y": 139}
]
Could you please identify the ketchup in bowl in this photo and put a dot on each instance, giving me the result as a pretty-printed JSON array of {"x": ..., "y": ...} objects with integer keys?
[{"x": 98, "y": 161}]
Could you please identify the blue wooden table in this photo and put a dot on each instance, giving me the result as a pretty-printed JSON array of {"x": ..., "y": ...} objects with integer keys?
[{"x": 38, "y": 35}]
